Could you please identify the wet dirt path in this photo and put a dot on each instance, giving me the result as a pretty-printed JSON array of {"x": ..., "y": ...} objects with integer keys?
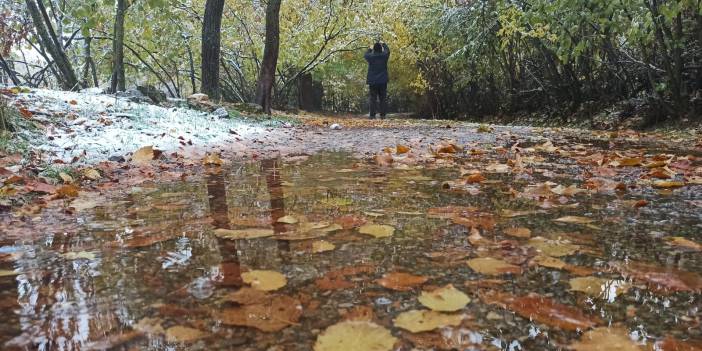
[{"x": 535, "y": 239}]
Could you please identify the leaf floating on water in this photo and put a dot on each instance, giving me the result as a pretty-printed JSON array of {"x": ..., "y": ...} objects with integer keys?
[
  {"x": 251, "y": 233},
  {"x": 248, "y": 296},
  {"x": 518, "y": 232},
  {"x": 553, "y": 248},
  {"x": 663, "y": 184},
  {"x": 6, "y": 273},
  {"x": 574, "y": 220},
  {"x": 446, "y": 299},
  {"x": 420, "y": 321},
  {"x": 401, "y": 281},
  {"x": 605, "y": 339},
  {"x": 493, "y": 266},
  {"x": 275, "y": 314},
  {"x": 543, "y": 310},
  {"x": 180, "y": 334},
  {"x": 672, "y": 344},
  {"x": 287, "y": 220},
  {"x": 355, "y": 336},
  {"x": 86, "y": 255},
  {"x": 143, "y": 155},
  {"x": 320, "y": 246},
  {"x": 608, "y": 289},
  {"x": 264, "y": 280},
  {"x": 377, "y": 231},
  {"x": 684, "y": 243},
  {"x": 661, "y": 278},
  {"x": 548, "y": 262}
]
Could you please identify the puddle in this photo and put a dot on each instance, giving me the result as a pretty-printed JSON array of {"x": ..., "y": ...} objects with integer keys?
[{"x": 145, "y": 270}]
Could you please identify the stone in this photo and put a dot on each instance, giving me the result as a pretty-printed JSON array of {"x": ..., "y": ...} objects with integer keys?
[
  {"x": 152, "y": 93},
  {"x": 221, "y": 113}
]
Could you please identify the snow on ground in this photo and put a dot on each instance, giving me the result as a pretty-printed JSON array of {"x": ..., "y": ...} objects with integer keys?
[{"x": 96, "y": 126}]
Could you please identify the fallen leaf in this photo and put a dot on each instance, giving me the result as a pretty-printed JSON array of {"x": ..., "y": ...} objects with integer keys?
[
  {"x": 251, "y": 233},
  {"x": 91, "y": 174},
  {"x": 264, "y": 280},
  {"x": 79, "y": 255},
  {"x": 446, "y": 299},
  {"x": 355, "y": 336},
  {"x": 607, "y": 289},
  {"x": 684, "y": 243},
  {"x": 275, "y": 314},
  {"x": 288, "y": 220},
  {"x": 360, "y": 313},
  {"x": 401, "y": 281},
  {"x": 180, "y": 334},
  {"x": 6, "y": 273},
  {"x": 663, "y": 184},
  {"x": 66, "y": 177},
  {"x": 248, "y": 296},
  {"x": 518, "y": 232},
  {"x": 553, "y": 248},
  {"x": 212, "y": 160},
  {"x": 67, "y": 191},
  {"x": 574, "y": 220},
  {"x": 402, "y": 149},
  {"x": 549, "y": 262},
  {"x": 543, "y": 310},
  {"x": 605, "y": 339},
  {"x": 420, "y": 321},
  {"x": 661, "y": 278},
  {"x": 320, "y": 246},
  {"x": 377, "y": 231},
  {"x": 143, "y": 155},
  {"x": 493, "y": 266},
  {"x": 672, "y": 344}
]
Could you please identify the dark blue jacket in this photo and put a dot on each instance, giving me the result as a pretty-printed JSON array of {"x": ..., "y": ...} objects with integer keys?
[{"x": 378, "y": 66}]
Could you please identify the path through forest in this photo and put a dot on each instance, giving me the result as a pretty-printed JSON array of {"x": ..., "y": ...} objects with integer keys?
[{"x": 395, "y": 234}]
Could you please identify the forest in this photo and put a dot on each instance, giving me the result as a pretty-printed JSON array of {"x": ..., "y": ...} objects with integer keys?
[{"x": 451, "y": 59}]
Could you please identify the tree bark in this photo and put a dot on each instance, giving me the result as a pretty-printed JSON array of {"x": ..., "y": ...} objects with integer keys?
[
  {"x": 264, "y": 91},
  {"x": 89, "y": 64},
  {"x": 66, "y": 75},
  {"x": 193, "y": 80},
  {"x": 10, "y": 73},
  {"x": 118, "y": 81},
  {"x": 211, "y": 37}
]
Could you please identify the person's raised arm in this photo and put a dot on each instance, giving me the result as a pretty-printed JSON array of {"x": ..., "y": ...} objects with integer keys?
[
  {"x": 368, "y": 53},
  {"x": 386, "y": 49}
]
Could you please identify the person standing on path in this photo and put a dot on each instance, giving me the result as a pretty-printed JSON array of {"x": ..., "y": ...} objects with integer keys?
[{"x": 378, "y": 78}]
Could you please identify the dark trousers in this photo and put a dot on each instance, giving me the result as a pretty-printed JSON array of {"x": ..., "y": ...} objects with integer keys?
[{"x": 378, "y": 93}]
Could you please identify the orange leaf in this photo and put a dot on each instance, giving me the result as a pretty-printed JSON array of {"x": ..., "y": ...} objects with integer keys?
[{"x": 401, "y": 281}]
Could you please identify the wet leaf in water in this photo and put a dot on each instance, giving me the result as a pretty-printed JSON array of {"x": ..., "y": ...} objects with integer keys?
[
  {"x": 360, "y": 313},
  {"x": 449, "y": 212},
  {"x": 575, "y": 220},
  {"x": 401, "y": 281},
  {"x": 350, "y": 221},
  {"x": 181, "y": 334},
  {"x": 377, "y": 231},
  {"x": 251, "y": 233},
  {"x": 493, "y": 266},
  {"x": 248, "y": 296},
  {"x": 6, "y": 273},
  {"x": 607, "y": 289},
  {"x": 143, "y": 155},
  {"x": 605, "y": 339},
  {"x": 672, "y": 344},
  {"x": 212, "y": 160},
  {"x": 549, "y": 262},
  {"x": 543, "y": 310},
  {"x": 275, "y": 314},
  {"x": 264, "y": 280},
  {"x": 553, "y": 248},
  {"x": 150, "y": 326},
  {"x": 661, "y": 278},
  {"x": 454, "y": 339},
  {"x": 79, "y": 255},
  {"x": 287, "y": 220},
  {"x": 446, "y": 299},
  {"x": 684, "y": 243},
  {"x": 663, "y": 184},
  {"x": 421, "y": 321},
  {"x": 355, "y": 336},
  {"x": 518, "y": 232},
  {"x": 320, "y": 246}
]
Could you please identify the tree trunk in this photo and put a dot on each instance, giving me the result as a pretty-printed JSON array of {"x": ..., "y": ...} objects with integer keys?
[
  {"x": 211, "y": 36},
  {"x": 89, "y": 64},
  {"x": 10, "y": 73},
  {"x": 118, "y": 82},
  {"x": 193, "y": 81},
  {"x": 264, "y": 91},
  {"x": 66, "y": 75}
]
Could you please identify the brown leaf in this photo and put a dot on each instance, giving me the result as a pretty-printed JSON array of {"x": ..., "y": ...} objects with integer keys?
[
  {"x": 67, "y": 191},
  {"x": 401, "y": 281},
  {"x": 543, "y": 310},
  {"x": 605, "y": 339},
  {"x": 518, "y": 232},
  {"x": 672, "y": 344},
  {"x": 402, "y": 149},
  {"x": 360, "y": 313},
  {"x": 660, "y": 278},
  {"x": 144, "y": 155},
  {"x": 274, "y": 315}
]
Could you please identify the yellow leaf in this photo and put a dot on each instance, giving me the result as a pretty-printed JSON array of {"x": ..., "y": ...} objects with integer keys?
[
  {"x": 143, "y": 155},
  {"x": 402, "y": 149},
  {"x": 575, "y": 220},
  {"x": 287, "y": 220},
  {"x": 377, "y": 231},
  {"x": 492, "y": 266},
  {"x": 446, "y": 299},
  {"x": 605, "y": 339},
  {"x": 355, "y": 336},
  {"x": 264, "y": 280},
  {"x": 91, "y": 174},
  {"x": 553, "y": 248},
  {"x": 322, "y": 246},
  {"x": 79, "y": 255},
  {"x": 212, "y": 160},
  {"x": 182, "y": 334},
  {"x": 421, "y": 321},
  {"x": 251, "y": 233},
  {"x": 66, "y": 178},
  {"x": 548, "y": 262},
  {"x": 608, "y": 289},
  {"x": 665, "y": 184},
  {"x": 518, "y": 232},
  {"x": 685, "y": 243},
  {"x": 5, "y": 273}
]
